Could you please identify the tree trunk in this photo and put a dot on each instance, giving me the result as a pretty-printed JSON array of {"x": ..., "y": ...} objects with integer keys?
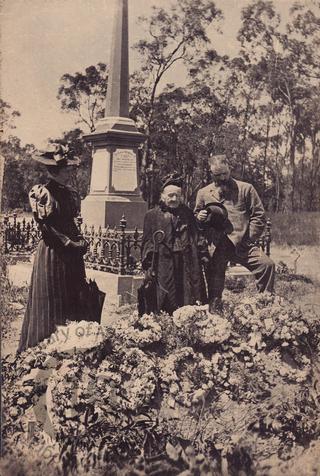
[
  {"x": 245, "y": 127},
  {"x": 301, "y": 184},
  {"x": 265, "y": 154},
  {"x": 292, "y": 156},
  {"x": 315, "y": 163}
]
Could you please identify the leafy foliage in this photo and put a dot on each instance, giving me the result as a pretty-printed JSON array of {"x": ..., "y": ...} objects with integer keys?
[
  {"x": 84, "y": 94},
  {"x": 7, "y": 117},
  {"x": 20, "y": 173},
  {"x": 171, "y": 36},
  {"x": 259, "y": 107}
]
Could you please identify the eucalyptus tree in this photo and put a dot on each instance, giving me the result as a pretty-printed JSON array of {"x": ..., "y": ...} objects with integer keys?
[
  {"x": 287, "y": 65},
  {"x": 169, "y": 36},
  {"x": 84, "y": 94}
]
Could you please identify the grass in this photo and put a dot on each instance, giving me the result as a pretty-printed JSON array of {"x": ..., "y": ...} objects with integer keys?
[
  {"x": 296, "y": 229},
  {"x": 292, "y": 287},
  {"x": 10, "y": 297}
]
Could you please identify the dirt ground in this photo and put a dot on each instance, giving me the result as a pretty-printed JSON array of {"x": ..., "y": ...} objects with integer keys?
[
  {"x": 305, "y": 258},
  {"x": 306, "y": 261}
]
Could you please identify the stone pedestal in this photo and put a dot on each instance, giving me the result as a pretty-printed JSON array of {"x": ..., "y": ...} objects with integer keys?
[
  {"x": 114, "y": 189},
  {"x": 107, "y": 210},
  {"x": 119, "y": 290}
]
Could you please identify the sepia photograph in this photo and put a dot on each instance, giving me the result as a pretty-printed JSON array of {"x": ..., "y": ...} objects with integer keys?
[{"x": 160, "y": 237}]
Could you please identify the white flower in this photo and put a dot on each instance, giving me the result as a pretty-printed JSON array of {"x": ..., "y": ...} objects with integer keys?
[
  {"x": 21, "y": 401},
  {"x": 13, "y": 412}
]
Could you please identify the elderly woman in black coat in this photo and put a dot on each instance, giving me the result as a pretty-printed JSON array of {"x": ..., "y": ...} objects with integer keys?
[
  {"x": 58, "y": 271},
  {"x": 170, "y": 255}
]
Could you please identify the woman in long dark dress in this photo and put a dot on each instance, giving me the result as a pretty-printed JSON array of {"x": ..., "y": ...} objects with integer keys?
[{"x": 58, "y": 271}]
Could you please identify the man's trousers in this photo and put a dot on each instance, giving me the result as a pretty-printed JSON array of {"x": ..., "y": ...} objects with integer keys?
[{"x": 253, "y": 258}]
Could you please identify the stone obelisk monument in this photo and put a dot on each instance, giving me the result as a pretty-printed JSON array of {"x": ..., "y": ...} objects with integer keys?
[{"x": 114, "y": 187}]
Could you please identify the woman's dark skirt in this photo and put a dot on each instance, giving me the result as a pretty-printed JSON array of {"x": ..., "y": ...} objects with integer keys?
[{"x": 57, "y": 276}]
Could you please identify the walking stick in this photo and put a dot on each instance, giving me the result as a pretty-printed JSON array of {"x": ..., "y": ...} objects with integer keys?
[
  {"x": 157, "y": 238},
  {"x": 146, "y": 292}
]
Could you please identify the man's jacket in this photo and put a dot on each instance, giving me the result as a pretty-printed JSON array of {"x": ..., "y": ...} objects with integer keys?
[{"x": 245, "y": 210}]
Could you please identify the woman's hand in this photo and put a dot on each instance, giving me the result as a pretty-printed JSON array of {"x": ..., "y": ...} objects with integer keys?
[{"x": 81, "y": 245}]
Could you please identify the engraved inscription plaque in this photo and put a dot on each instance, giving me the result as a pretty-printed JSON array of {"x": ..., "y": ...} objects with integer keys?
[{"x": 124, "y": 171}]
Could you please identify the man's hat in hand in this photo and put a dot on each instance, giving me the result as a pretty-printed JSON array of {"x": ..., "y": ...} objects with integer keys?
[{"x": 217, "y": 215}]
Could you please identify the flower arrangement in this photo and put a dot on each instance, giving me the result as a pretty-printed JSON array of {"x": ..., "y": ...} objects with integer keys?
[
  {"x": 245, "y": 382},
  {"x": 138, "y": 331}
]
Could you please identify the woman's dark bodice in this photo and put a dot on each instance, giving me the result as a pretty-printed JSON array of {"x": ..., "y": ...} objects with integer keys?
[{"x": 67, "y": 209}]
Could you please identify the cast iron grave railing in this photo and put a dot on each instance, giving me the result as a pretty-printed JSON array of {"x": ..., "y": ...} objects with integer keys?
[
  {"x": 116, "y": 250},
  {"x": 20, "y": 236}
]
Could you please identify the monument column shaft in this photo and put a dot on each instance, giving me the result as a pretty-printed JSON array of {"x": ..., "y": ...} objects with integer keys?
[
  {"x": 114, "y": 187},
  {"x": 117, "y": 103}
]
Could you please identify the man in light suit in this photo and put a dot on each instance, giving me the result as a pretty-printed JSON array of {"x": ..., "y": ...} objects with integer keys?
[{"x": 235, "y": 239}]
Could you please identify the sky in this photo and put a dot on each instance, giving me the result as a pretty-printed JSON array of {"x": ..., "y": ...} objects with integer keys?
[{"x": 43, "y": 39}]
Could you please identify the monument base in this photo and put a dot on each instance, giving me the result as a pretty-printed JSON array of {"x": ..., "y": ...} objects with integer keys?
[
  {"x": 120, "y": 290},
  {"x": 107, "y": 210}
]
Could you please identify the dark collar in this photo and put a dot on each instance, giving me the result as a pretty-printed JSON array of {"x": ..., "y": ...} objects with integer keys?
[
  {"x": 173, "y": 211},
  {"x": 54, "y": 184}
]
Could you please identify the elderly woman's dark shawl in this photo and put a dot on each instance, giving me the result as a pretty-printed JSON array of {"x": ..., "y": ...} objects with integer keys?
[{"x": 178, "y": 274}]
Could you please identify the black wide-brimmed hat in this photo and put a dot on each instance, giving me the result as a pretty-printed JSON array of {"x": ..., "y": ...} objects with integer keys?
[
  {"x": 172, "y": 179},
  {"x": 217, "y": 215},
  {"x": 57, "y": 155}
]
